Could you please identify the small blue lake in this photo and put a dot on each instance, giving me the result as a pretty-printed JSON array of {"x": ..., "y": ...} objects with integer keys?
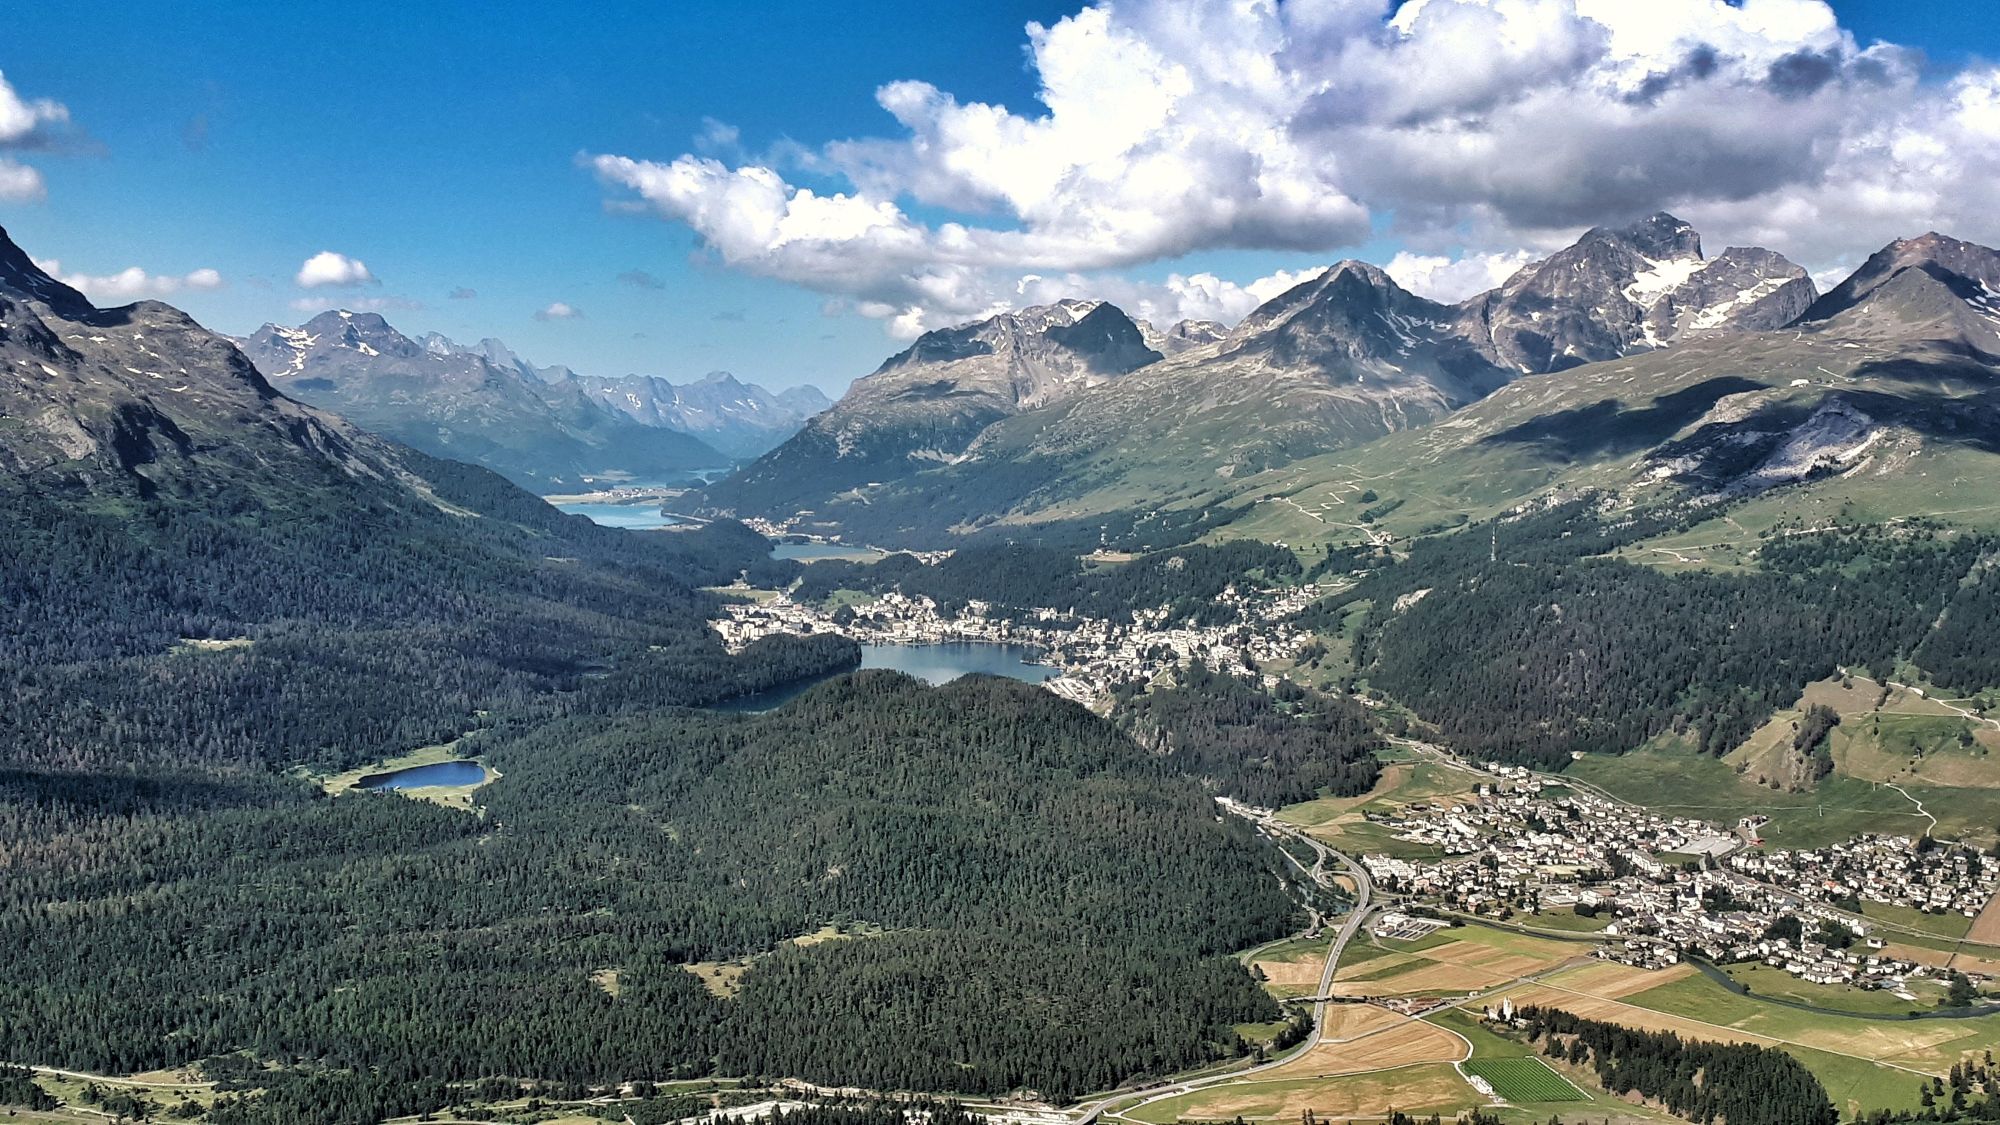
[
  {"x": 934, "y": 664},
  {"x": 424, "y": 777}
]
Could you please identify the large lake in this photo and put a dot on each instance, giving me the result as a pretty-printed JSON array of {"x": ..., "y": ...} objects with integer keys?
[
  {"x": 807, "y": 552},
  {"x": 424, "y": 777},
  {"x": 935, "y": 664},
  {"x": 634, "y": 517}
]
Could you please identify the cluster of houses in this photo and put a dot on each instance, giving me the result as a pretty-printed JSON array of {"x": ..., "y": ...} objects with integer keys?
[
  {"x": 1093, "y": 655},
  {"x": 1893, "y": 870},
  {"x": 1670, "y": 886}
]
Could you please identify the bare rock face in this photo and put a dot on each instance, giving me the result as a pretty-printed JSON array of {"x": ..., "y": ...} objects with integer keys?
[
  {"x": 1744, "y": 289},
  {"x": 1617, "y": 291},
  {"x": 466, "y": 404}
]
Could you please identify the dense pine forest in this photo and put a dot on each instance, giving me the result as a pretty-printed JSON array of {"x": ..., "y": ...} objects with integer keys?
[
  {"x": 1055, "y": 904},
  {"x": 1266, "y": 748},
  {"x": 337, "y": 625}
]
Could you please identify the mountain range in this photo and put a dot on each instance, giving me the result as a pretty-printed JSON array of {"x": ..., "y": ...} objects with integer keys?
[
  {"x": 545, "y": 428},
  {"x": 740, "y": 420},
  {"x": 1022, "y": 419}
]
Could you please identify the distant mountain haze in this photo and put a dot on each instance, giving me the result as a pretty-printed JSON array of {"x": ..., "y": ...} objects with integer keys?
[
  {"x": 544, "y": 427},
  {"x": 742, "y": 420}
]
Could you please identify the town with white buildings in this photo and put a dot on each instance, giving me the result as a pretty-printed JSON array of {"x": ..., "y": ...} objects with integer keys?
[
  {"x": 1670, "y": 886},
  {"x": 1091, "y": 655}
]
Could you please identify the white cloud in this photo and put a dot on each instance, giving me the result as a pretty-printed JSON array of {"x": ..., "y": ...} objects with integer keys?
[
  {"x": 21, "y": 120},
  {"x": 324, "y": 302},
  {"x": 132, "y": 283},
  {"x": 1454, "y": 279},
  {"x": 327, "y": 268},
  {"x": 20, "y": 183},
  {"x": 25, "y": 124},
  {"x": 1465, "y": 129},
  {"x": 559, "y": 311}
]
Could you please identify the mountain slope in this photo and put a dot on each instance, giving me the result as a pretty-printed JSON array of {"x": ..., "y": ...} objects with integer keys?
[
  {"x": 926, "y": 404},
  {"x": 466, "y": 405},
  {"x": 198, "y": 572},
  {"x": 1336, "y": 362},
  {"x": 1885, "y": 395}
]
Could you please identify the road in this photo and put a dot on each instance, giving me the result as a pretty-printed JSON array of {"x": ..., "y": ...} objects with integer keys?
[{"x": 1364, "y": 891}]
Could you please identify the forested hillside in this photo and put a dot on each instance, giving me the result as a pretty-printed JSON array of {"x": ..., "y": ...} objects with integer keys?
[
  {"x": 1264, "y": 748},
  {"x": 1532, "y": 639},
  {"x": 1036, "y": 873}
]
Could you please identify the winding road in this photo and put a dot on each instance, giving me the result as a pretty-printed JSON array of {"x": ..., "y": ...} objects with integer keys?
[{"x": 1364, "y": 891}]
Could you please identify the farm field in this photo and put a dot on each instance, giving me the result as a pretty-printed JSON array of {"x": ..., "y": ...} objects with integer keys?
[
  {"x": 1290, "y": 968},
  {"x": 1524, "y": 1079},
  {"x": 1373, "y": 1045},
  {"x": 1764, "y": 980},
  {"x": 1422, "y": 1089},
  {"x": 1567, "y": 919},
  {"x": 1865, "y": 1064},
  {"x": 1929, "y": 1046},
  {"x": 1457, "y": 959}
]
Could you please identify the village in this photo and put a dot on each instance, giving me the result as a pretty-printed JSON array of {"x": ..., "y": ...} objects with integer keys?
[
  {"x": 1672, "y": 886},
  {"x": 1091, "y": 655}
]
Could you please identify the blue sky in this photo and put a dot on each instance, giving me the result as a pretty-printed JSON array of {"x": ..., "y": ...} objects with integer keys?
[{"x": 439, "y": 144}]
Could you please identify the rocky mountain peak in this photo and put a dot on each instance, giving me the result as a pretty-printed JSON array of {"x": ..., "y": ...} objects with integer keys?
[
  {"x": 1657, "y": 236},
  {"x": 1941, "y": 288},
  {"x": 1618, "y": 290},
  {"x": 1182, "y": 336}
]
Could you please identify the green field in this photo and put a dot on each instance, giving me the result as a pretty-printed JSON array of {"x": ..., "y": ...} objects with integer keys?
[
  {"x": 1525, "y": 1079},
  {"x": 1763, "y": 980},
  {"x": 1677, "y": 781},
  {"x": 1566, "y": 919}
]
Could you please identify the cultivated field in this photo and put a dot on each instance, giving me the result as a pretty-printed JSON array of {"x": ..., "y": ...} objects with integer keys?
[
  {"x": 1456, "y": 960},
  {"x": 1291, "y": 968},
  {"x": 1525, "y": 1080},
  {"x": 1399, "y": 1042},
  {"x": 1423, "y": 1089}
]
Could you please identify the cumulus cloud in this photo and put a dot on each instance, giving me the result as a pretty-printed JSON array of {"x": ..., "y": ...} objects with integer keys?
[
  {"x": 1453, "y": 279},
  {"x": 25, "y": 124},
  {"x": 559, "y": 310},
  {"x": 131, "y": 283},
  {"x": 640, "y": 279},
  {"x": 1464, "y": 129},
  {"x": 327, "y": 269}
]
